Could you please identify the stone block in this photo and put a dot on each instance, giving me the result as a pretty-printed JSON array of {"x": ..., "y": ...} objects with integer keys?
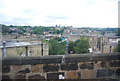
[
  {"x": 36, "y": 76},
  {"x": 20, "y": 77},
  {"x": 5, "y": 69},
  {"x": 73, "y": 75},
  {"x": 51, "y": 59},
  {"x": 97, "y": 65},
  {"x": 54, "y": 75},
  {"x": 88, "y": 74},
  {"x": 69, "y": 66},
  {"x": 37, "y": 68},
  {"x": 6, "y": 77},
  {"x": 104, "y": 72},
  {"x": 118, "y": 72},
  {"x": 77, "y": 58},
  {"x": 104, "y": 57},
  {"x": 24, "y": 71},
  {"x": 10, "y": 61},
  {"x": 104, "y": 64},
  {"x": 115, "y": 63},
  {"x": 30, "y": 61},
  {"x": 16, "y": 68},
  {"x": 87, "y": 66},
  {"x": 50, "y": 68}
]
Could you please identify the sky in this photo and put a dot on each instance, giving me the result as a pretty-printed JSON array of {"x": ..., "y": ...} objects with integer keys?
[{"x": 76, "y": 13}]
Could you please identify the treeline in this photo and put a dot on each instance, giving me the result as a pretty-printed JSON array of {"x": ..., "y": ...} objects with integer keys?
[
  {"x": 57, "y": 47},
  {"x": 39, "y": 30}
]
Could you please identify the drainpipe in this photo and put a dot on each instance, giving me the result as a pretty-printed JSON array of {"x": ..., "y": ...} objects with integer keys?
[
  {"x": 42, "y": 48},
  {"x": 26, "y": 47},
  {"x": 110, "y": 49},
  {"x": 4, "y": 49},
  {"x": 102, "y": 48}
]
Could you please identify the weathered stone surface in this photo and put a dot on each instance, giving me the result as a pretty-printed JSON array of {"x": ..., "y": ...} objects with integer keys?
[
  {"x": 97, "y": 65},
  {"x": 31, "y": 60},
  {"x": 73, "y": 75},
  {"x": 58, "y": 59},
  {"x": 87, "y": 66},
  {"x": 104, "y": 57},
  {"x": 17, "y": 68},
  {"x": 10, "y": 61},
  {"x": 88, "y": 74},
  {"x": 5, "y": 69},
  {"x": 20, "y": 77},
  {"x": 77, "y": 58},
  {"x": 36, "y": 76},
  {"x": 54, "y": 75},
  {"x": 90, "y": 67},
  {"x": 27, "y": 70},
  {"x": 37, "y": 68},
  {"x": 69, "y": 66},
  {"x": 104, "y": 64},
  {"x": 51, "y": 59},
  {"x": 104, "y": 72},
  {"x": 50, "y": 68},
  {"x": 115, "y": 64},
  {"x": 118, "y": 72},
  {"x": 5, "y": 77}
]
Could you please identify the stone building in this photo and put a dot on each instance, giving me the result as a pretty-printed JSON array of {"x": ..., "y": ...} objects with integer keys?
[
  {"x": 24, "y": 49},
  {"x": 99, "y": 44}
]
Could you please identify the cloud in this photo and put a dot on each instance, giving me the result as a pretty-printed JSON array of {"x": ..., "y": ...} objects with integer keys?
[
  {"x": 56, "y": 17},
  {"x": 90, "y": 13}
]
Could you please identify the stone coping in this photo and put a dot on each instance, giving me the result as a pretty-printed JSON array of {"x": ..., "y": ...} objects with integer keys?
[{"x": 59, "y": 59}]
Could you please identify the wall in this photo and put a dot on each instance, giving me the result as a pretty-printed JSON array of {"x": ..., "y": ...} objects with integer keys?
[
  {"x": 85, "y": 66},
  {"x": 32, "y": 50}
]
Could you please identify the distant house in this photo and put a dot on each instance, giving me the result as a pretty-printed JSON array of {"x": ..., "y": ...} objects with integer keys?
[{"x": 114, "y": 39}]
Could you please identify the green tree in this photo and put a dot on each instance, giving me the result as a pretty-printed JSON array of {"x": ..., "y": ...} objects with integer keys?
[
  {"x": 118, "y": 32},
  {"x": 56, "y": 48},
  {"x": 82, "y": 46},
  {"x": 5, "y": 29},
  {"x": 117, "y": 48},
  {"x": 57, "y": 38},
  {"x": 71, "y": 47}
]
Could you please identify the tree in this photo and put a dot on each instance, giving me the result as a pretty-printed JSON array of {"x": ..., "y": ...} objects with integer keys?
[
  {"x": 118, "y": 32},
  {"x": 5, "y": 29},
  {"x": 57, "y": 38},
  {"x": 82, "y": 46},
  {"x": 56, "y": 48},
  {"x": 117, "y": 48},
  {"x": 71, "y": 47},
  {"x": 103, "y": 32}
]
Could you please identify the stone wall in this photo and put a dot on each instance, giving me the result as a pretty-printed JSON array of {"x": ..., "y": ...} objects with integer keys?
[{"x": 84, "y": 66}]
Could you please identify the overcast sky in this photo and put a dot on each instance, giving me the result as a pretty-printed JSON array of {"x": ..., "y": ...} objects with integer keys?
[{"x": 76, "y": 13}]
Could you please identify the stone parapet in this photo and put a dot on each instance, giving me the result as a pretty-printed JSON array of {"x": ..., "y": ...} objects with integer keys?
[{"x": 79, "y": 66}]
